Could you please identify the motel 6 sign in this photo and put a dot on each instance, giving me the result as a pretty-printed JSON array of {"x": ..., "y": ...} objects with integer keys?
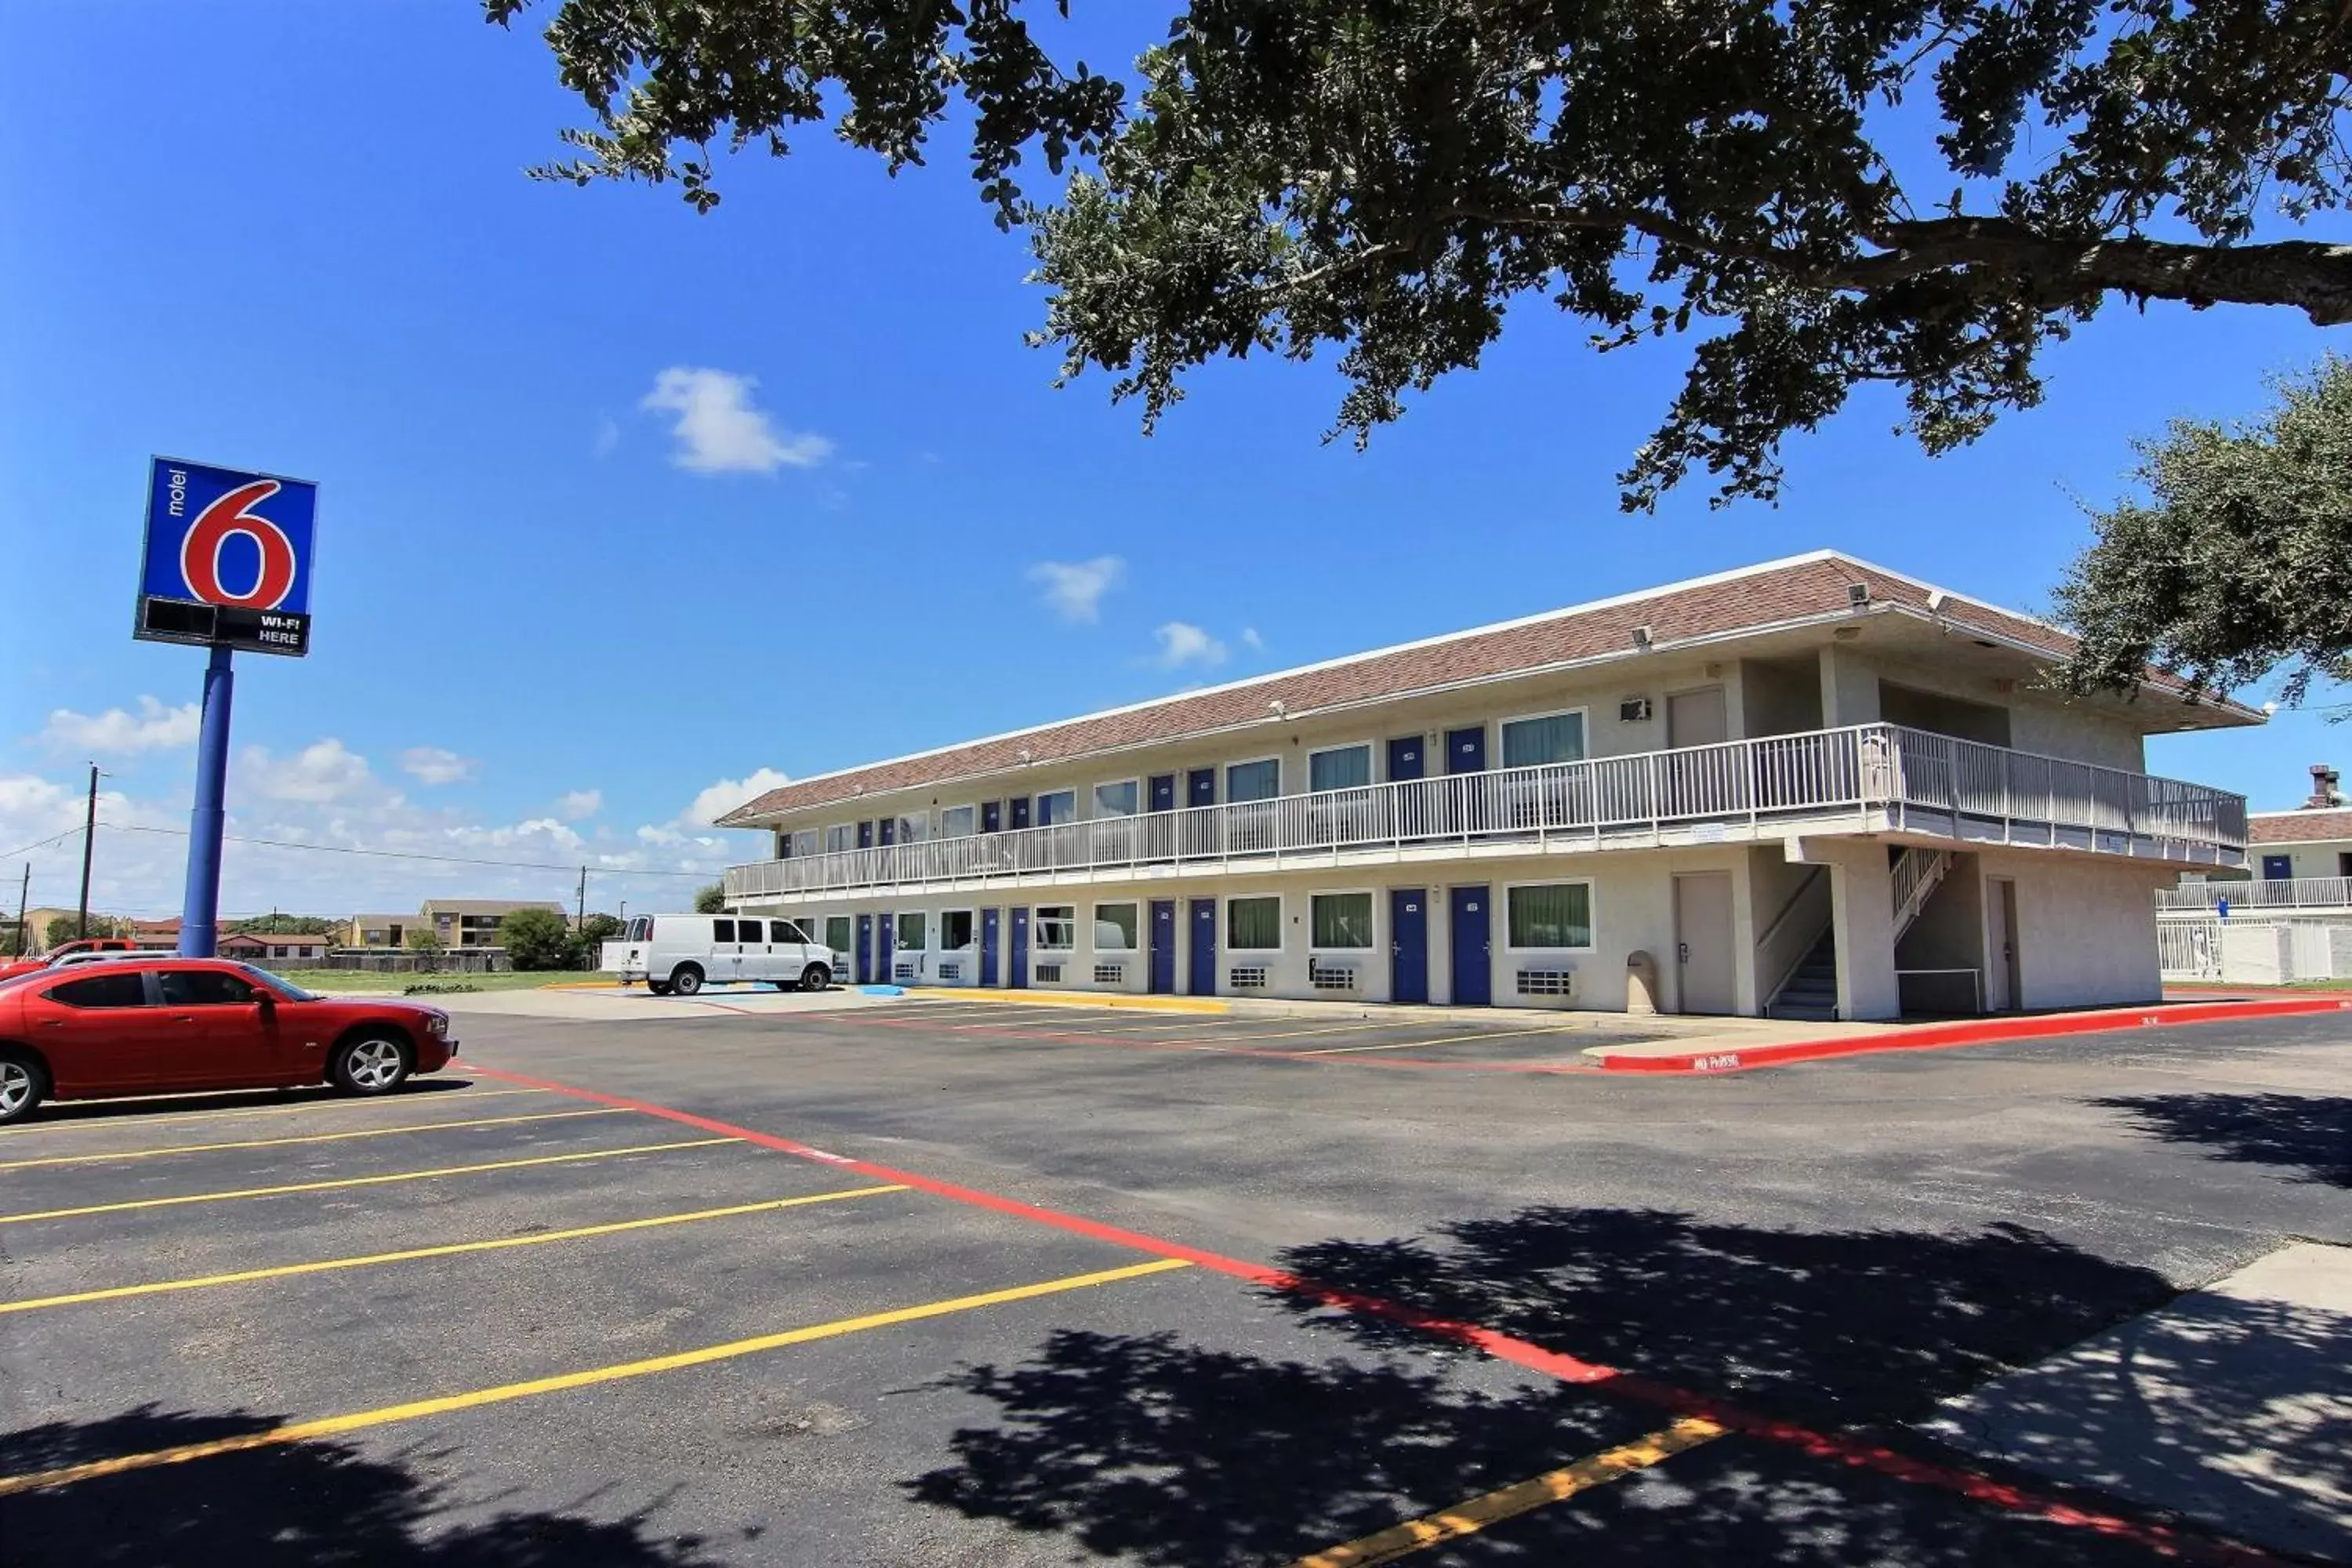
[{"x": 228, "y": 559}]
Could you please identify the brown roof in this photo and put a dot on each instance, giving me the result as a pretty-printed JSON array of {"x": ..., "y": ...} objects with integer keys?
[
  {"x": 1809, "y": 587},
  {"x": 2299, "y": 826}
]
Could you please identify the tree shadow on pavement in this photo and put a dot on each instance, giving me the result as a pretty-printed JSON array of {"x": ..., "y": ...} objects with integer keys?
[
  {"x": 2310, "y": 1134},
  {"x": 1179, "y": 1455},
  {"x": 295, "y": 1505}
]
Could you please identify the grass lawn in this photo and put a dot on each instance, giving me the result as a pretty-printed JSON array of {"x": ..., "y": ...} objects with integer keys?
[{"x": 360, "y": 982}]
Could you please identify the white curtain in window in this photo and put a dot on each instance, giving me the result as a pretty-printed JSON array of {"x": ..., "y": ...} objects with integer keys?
[
  {"x": 1254, "y": 781},
  {"x": 1531, "y": 742},
  {"x": 1349, "y": 767}
]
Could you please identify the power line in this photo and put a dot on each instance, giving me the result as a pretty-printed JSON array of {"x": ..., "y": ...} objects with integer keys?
[
  {"x": 43, "y": 844},
  {"x": 411, "y": 854}
]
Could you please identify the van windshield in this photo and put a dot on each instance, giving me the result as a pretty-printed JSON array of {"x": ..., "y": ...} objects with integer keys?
[{"x": 641, "y": 929}]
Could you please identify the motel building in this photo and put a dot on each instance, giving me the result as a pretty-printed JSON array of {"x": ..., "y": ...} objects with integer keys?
[{"x": 1813, "y": 788}]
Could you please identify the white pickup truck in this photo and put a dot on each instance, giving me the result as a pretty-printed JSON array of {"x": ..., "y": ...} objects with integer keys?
[{"x": 682, "y": 954}]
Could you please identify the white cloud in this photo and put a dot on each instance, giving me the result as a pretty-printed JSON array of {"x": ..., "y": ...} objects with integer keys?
[
  {"x": 322, "y": 772},
  {"x": 579, "y": 804},
  {"x": 1181, "y": 643},
  {"x": 1076, "y": 588},
  {"x": 1250, "y": 640},
  {"x": 718, "y": 431},
  {"x": 154, "y": 727},
  {"x": 725, "y": 795},
  {"x": 435, "y": 766}
]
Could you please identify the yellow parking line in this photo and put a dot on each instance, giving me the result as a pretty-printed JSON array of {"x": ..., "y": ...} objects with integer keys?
[
  {"x": 1300, "y": 1034},
  {"x": 340, "y": 1181},
  {"x": 118, "y": 1120},
  {"x": 306, "y": 1138},
  {"x": 1146, "y": 1028},
  {"x": 1509, "y": 1502},
  {"x": 451, "y": 1249},
  {"x": 335, "y": 1426},
  {"x": 1451, "y": 1040}
]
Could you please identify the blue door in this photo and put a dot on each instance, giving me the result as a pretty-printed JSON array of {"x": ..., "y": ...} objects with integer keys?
[
  {"x": 1473, "y": 980},
  {"x": 1163, "y": 792},
  {"x": 1465, "y": 751},
  {"x": 988, "y": 934},
  {"x": 1020, "y": 812},
  {"x": 886, "y": 939},
  {"x": 1017, "y": 975},
  {"x": 1405, "y": 761},
  {"x": 889, "y": 830},
  {"x": 1408, "y": 944},
  {"x": 1163, "y": 940},
  {"x": 1204, "y": 947},
  {"x": 2277, "y": 868},
  {"x": 866, "y": 836},
  {"x": 865, "y": 946},
  {"x": 1200, "y": 787},
  {"x": 991, "y": 816},
  {"x": 1408, "y": 762}
]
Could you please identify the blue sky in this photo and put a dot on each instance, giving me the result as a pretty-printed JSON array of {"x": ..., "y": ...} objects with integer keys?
[{"x": 621, "y": 506}]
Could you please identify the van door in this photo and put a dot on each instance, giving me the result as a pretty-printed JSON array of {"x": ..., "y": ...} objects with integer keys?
[{"x": 723, "y": 959}]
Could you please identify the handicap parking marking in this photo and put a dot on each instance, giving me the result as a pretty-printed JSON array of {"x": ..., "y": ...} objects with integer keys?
[
  {"x": 340, "y": 1183},
  {"x": 117, "y": 1154},
  {"x": 384, "y": 1416},
  {"x": 446, "y": 1249}
]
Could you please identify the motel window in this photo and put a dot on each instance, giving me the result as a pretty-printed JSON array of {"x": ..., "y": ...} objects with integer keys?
[
  {"x": 1551, "y": 915},
  {"x": 1554, "y": 738},
  {"x": 840, "y": 836},
  {"x": 1261, "y": 780},
  {"x": 1113, "y": 927},
  {"x": 1114, "y": 799},
  {"x": 955, "y": 929},
  {"x": 804, "y": 841},
  {"x": 1342, "y": 920},
  {"x": 914, "y": 829},
  {"x": 1342, "y": 767},
  {"x": 836, "y": 932},
  {"x": 1062, "y": 805},
  {"x": 958, "y": 822},
  {"x": 1057, "y": 927},
  {"x": 911, "y": 933},
  {"x": 1253, "y": 925}
]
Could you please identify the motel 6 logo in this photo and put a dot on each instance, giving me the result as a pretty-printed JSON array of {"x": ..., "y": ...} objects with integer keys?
[{"x": 239, "y": 541}]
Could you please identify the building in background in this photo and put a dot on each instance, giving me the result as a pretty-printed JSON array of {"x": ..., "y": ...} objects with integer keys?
[
  {"x": 453, "y": 923},
  {"x": 1811, "y": 788}
]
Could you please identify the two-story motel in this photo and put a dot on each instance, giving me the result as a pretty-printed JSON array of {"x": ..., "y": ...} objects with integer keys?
[{"x": 1813, "y": 787}]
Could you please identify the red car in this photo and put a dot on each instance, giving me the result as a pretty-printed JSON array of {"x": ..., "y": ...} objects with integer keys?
[
  {"x": 166, "y": 1025},
  {"x": 16, "y": 966}
]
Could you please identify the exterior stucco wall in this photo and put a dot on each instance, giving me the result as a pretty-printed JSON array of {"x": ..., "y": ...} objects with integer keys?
[
  {"x": 2324, "y": 858},
  {"x": 2086, "y": 929}
]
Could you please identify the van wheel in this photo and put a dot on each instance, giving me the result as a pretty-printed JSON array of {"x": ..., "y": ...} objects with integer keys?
[
  {"x": 815, "y": 977},
  {"x": 23, "y": 1086},
  {"x": 658, "y": 987},
  {"x": 686, "y": 980},
  {"x": 371, "y": 1064}
]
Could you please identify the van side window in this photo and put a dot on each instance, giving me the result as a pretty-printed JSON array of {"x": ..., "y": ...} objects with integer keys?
[
  {"x": 788, "y": 931},
  {"x": 723, "y": 930},
  {"x": 748, "y": 930}
]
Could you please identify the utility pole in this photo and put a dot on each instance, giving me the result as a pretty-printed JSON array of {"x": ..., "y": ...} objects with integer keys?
[
  {"x": 88, "y": 838},
  {"x": 583, "y": 898},
  {"x": 23, "y": 892}
]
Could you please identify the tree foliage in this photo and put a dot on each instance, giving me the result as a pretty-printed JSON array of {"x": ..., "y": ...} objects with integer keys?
[
  {"x": 422, "y": 938},
  {"x": 2238, "y": 562},
  {"x": 536, "y": 939},
  {"x": 711, "y": 899},
  {"x": 1384, "y": 177},
  {"x": 69, "y": 928}
]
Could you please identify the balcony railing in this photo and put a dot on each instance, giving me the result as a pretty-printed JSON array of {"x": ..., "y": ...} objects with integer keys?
[
  {"x": 1883, "y": 777},
  {"x": 2275, "y": 893}
]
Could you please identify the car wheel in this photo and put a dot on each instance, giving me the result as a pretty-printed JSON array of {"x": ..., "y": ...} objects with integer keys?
[
  {"x": 371, "y": 1064},
  {"x": 817, "y": 977},
  {"x": 686, "y": 980},
  {"x": 23, "y": 1086},
  {"x": 658, "y": 987}
]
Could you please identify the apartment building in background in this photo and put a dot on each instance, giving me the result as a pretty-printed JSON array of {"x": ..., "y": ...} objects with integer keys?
[
  {"x": 455, "y": 922},
  {"x": 1814, "y": 788}
]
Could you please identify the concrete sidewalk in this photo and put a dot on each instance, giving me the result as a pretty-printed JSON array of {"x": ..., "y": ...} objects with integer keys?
[{"x": 2232, "y": 1405}]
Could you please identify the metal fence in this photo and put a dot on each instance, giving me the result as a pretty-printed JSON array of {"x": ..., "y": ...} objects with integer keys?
[{"x": 2276, "y": 894}]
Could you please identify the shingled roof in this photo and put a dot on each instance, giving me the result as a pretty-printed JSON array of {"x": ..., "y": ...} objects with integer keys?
[
  {"x": 2298, "y": 827},
  {"x": 1780, "y": 593}
]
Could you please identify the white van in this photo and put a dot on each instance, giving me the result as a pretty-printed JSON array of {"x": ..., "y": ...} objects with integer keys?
[{"x": 683, "y": 954}]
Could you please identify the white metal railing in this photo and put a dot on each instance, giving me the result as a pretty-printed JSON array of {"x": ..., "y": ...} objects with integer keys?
[
  {"x": 2277, "y": 893},
  {"x": 1890, "y": 777}
]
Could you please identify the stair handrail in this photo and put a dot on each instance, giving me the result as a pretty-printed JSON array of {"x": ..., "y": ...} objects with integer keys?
[{"x": 1767, "y": 957}]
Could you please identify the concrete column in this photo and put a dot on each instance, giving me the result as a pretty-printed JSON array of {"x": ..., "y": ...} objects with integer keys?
[
  {"x": 1849, "y": 688},
  {"x": 1862, "y": 915}
]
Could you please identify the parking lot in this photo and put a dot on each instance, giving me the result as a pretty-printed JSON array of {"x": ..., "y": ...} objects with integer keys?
[{"x": 924, "y": 1283}]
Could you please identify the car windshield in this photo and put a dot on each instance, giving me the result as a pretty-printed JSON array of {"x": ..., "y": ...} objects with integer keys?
[{"x": 286, "y": 988}]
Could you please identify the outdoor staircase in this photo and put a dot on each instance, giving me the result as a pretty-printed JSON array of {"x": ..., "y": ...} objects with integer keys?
[{"x": 1810, "y": 992}]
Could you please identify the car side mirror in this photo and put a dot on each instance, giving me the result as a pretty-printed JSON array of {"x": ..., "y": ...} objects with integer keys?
[{"x": 267, "y": 1002}]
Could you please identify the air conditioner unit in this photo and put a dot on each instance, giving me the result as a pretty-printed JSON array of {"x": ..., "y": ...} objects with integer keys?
[{"x": 1633, "y": 710}]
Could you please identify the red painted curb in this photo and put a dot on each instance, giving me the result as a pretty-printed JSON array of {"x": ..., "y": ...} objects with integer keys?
[
  {"x": 1939, "y": 1037},
  {"x": 2191, "y": 1543}
]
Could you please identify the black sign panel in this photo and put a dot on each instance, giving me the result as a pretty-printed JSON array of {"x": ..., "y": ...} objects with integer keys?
[{"x": 225, "y": 625}]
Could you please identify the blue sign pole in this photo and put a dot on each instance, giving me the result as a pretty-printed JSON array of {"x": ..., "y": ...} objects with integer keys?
[{"x": 200, "y": 908}]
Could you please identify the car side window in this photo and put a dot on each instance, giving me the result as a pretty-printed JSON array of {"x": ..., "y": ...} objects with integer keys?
[
  {"x": 203, "y": 988},
  {"x": 117, "y": 990}
]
